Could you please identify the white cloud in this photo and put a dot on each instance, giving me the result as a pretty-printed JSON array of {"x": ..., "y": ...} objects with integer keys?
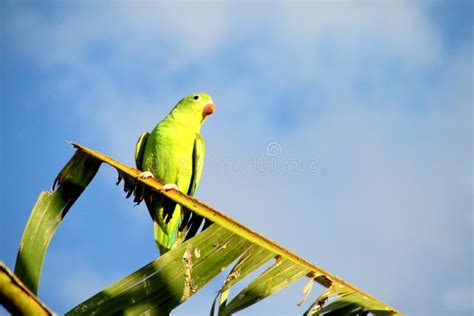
[
  {"x": 150, "y": 29},
  {"x": 329, "y": 37}
]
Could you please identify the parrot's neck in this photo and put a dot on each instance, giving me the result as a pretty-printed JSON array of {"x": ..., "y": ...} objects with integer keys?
[{"x": 186, "y": 119}]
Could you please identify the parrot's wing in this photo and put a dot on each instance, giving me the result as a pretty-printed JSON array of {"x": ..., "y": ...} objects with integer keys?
[
  {"x": 198, "y": 163},
  {"x": 195, "y": 222},
  {"x": 140, "y": 150}
]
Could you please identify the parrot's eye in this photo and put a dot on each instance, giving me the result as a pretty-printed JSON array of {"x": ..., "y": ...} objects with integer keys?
[{"x": 196, "y": 97}]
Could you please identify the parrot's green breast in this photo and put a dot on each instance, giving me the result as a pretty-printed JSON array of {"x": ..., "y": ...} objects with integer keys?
[{"x": 169, "y": 155}]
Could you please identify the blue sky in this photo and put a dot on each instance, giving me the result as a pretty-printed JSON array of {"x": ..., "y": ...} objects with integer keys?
[{"x": 370, "y": 102}]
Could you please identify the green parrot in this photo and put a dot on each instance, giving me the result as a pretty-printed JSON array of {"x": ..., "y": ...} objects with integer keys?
[{"x": 174, "y": 153}]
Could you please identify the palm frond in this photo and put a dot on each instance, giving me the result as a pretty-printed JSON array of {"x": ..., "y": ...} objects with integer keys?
[
  {"x": 17, "y": 297},
  {"x": 47, "y": 214},
  {"x": 171, "y": 279}
]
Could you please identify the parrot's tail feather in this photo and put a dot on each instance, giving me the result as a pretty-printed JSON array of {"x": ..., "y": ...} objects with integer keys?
[
  {"x": 162, "y": 239},
  {"x": 167, "y": 240}
]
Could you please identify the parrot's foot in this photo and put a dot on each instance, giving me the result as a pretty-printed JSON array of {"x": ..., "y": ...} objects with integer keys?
[
  {"x": 169, "y": 186},
  {"x": 145, "y": 175}
]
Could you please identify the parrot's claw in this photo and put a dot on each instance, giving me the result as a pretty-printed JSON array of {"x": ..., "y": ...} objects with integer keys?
[
  {"x": 169, "y": 186},
  {"x": 145, "y": 175}
]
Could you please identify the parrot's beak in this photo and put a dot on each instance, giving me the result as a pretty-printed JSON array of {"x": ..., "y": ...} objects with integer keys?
[{"x": 208, "y": 108}]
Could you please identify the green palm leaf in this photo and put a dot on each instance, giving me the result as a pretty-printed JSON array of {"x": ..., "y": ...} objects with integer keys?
[
  {"x": 163, "y": 284},
  {"x": 17, "y": 297}
]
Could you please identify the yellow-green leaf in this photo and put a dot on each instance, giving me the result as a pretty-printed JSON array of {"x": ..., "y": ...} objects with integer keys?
[
  {"x": 47, "y": 214},
  {"x": 173, "y": 278}
]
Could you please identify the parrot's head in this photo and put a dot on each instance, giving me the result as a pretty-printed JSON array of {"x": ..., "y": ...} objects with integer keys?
[{"x": 197, "y": 106}]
